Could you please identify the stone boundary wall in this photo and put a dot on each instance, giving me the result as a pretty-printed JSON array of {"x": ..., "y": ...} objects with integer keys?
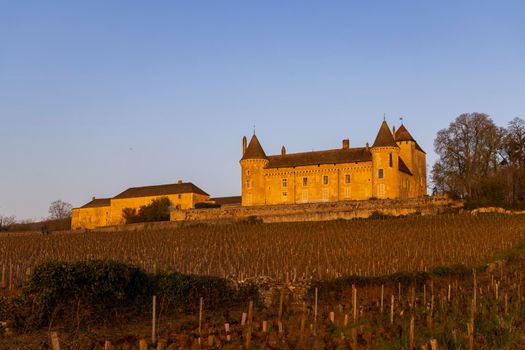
[{"x": 324, "y": 211}]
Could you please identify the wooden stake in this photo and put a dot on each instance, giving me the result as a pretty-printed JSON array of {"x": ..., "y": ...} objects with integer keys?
[
  {"x": 107, "y": 345},
  {"x": 143, "y": 344},
  {"x": 55, "y": 342},
  {"x": 227, "y": 330},
  {"x": 249, "y": 331},
  {"x": 433, "y": 344},
  {"x": 411, "y": 345},
  {"x": 154, "y": 321}
]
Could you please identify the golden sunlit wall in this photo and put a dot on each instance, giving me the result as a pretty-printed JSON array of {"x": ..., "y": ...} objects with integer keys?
[
  {"x": 318, "y": 183},
  {"x": 385, "y": 168},
  {"x": 379, "y": 178},
  {"x": 90, "y": 218},
  {"x": 181, "y": 201}
]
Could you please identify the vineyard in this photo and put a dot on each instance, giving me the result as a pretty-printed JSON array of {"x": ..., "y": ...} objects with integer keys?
[
  {"x": 453, "y": 281},
  {"x": 318, "y": 250}
]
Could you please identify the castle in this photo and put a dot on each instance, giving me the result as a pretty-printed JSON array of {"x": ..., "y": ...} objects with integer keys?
[{"x": 394, "y": 167}]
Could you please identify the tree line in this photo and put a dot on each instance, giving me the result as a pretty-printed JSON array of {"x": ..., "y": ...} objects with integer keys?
[{"x": 481, "y": 162}]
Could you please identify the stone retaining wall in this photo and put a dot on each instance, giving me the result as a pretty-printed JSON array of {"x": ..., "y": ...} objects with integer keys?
[{"x": 319, "y": 211}]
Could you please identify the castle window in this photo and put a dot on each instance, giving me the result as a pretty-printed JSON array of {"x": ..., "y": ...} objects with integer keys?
[
  {"x": 380, "y": 173},
  {"x": 285, "y": 183},
  {"x": 248, "y": 172},
  {"x": 325, "y": 179},
  {"x": 248, "y": 183},
  {"x": 284, "y": 196},
  {"x": 347, "y": 178},
  {"x": 305, "y": 181},
  {"x": 390, "y": 161}
]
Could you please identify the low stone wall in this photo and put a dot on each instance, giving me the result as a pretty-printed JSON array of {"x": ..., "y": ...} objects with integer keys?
[
  {"x": 496, "y": 210},
  {"x": 319, "y": 211}
]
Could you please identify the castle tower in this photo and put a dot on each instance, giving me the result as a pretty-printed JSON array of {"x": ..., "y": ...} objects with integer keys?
[
  {"x": 415, "y": 159},
  {"x": 253, "y": 162},
  {"x": 385, "y": 165}
]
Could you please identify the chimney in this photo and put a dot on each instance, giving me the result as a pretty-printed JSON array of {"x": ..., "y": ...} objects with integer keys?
[
  {"x": 93, "y": 198},
  {"x": 346, "y": 144},
  {"x": 367, "y": 147},
  {"x": 283, "y": 151},
  {"x": 244, "y": 141},
  {"x": 394, "y": 131},
  {"x": 179, "y": 182}
]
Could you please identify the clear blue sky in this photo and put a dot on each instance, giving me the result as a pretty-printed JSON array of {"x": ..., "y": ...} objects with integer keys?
[{"x": 97, "y": 96}]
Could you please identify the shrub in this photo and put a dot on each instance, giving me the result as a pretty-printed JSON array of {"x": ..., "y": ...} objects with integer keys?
[
  {"x": 91, "y": 292},
  {"x": 83, "y": 290},
  {"x": 157, "y": 210}
]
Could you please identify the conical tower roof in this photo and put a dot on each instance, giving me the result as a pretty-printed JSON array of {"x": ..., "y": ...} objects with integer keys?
[
  {"x": 384, "y": 137},
  {"x": 402, "y": 134},
  {"x": 254, "y": 150}
]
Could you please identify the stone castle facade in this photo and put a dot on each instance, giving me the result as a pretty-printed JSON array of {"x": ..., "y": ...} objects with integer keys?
[{"x": 394, "y": 167}]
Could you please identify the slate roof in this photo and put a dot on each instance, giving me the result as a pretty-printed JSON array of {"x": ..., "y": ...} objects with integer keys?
[
  {"x": 160, "y": 190},
  {"x": 97, "y": 203},
  {"x": 402, "y": 134},
  {"x": 333, "y": 156},
  {"x": 384, "y": 137},
  {"x": 254, "y": 150},
  {"x": 234, "y": 200}
]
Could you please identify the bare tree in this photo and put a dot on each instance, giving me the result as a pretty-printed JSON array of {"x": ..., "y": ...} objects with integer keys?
[
  {"x": 6, "y": 221},
  {"x": 59, "y": 210},
  {"x": 514, "y": 143},
  {"x": 468, "y": 151}
]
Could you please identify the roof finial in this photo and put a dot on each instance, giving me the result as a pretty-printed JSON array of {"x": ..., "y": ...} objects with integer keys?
[
  {"x": 384, "y": 117},
  {"x": 401, "y": 118},
  {"x": 254, "y": 129}
]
